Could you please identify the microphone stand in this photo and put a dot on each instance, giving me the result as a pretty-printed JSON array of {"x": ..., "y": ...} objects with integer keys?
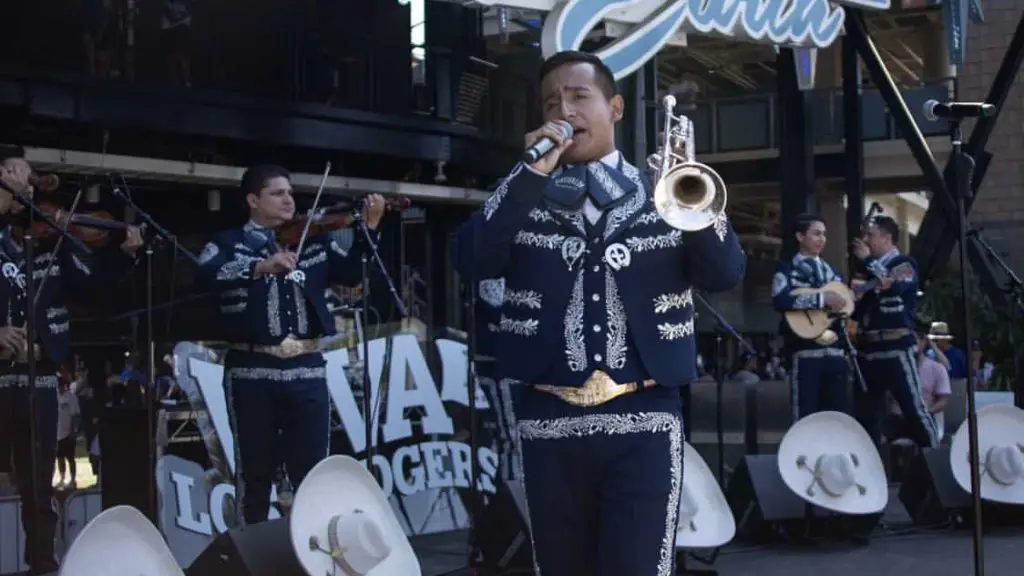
[
  {"x": 151, "y": 397},
  {"x": 1015, "y": 288},
  {"x": 30, "y": 337},
  {"x": 369, "y": 409},
  {"x": 963, "y": 172},
  {"x": 723, "y": 327}
]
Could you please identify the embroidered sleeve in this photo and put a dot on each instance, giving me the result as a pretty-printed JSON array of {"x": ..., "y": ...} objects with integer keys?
[
  {"x": 481, "y": 247},
  {"x": 713, "y": 257},
  {"x": 784, "y": 299},
  {"x": 225, "y": 266},
  {"x": 344, "y": 265}
]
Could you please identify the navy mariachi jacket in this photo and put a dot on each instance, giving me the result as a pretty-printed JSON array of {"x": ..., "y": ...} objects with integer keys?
[
  {"x": 802, "y": 272},
  {"x": 895, "y": 308},
  {"x": 614, "y": 296},
  {"x": 70, "y": 276},
  {"x": 265, "y": 310}
]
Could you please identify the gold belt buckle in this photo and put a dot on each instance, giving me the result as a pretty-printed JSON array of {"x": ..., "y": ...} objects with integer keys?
[
  {"x": 291, "y": 347},
  {"x": 597, "y": 390}
]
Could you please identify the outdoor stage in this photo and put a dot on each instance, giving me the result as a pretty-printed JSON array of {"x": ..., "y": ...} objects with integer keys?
[{"x": 934, "y": 553}]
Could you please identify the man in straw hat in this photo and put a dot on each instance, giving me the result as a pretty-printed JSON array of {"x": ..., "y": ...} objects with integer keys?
[
  {"x": 888, "y": 347},
  {"x": 817, "y": 367},
  {"x": 596, "y": 326}
]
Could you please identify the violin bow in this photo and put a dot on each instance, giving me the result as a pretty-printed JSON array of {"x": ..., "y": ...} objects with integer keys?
[
  {"x": 296, "y": 275},
  {"x": 56, "y": 248}
]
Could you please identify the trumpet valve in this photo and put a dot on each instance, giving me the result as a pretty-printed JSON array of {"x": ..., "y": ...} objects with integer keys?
[{"x": 654, "y": 161}]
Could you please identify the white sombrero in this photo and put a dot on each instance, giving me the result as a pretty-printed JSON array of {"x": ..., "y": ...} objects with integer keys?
[
  {"x": 342, "y": 523},
  {"x": 120, "y": 542},
  {"x": 1001, "y": 447},
  {"x": 829, "y": 460},
  {"x": 705, "y": 520}
]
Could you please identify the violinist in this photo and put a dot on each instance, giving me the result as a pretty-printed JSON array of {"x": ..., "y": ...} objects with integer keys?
[
  {"x": 274, "y": 374},
  {"x": 67, "y": 276}
]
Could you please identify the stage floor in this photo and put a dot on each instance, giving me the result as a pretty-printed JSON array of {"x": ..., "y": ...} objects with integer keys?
[{"x": 942, "y": 553}]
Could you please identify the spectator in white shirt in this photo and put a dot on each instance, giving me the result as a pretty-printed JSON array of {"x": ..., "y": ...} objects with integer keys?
[{"x": 68, "y": 416}]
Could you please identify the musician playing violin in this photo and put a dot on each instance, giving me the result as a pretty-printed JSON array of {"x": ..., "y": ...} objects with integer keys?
[
  {"x": 818, "y": 370},
  {"x": 274, "y": 374},
  {"x": 66, "y": 275}
]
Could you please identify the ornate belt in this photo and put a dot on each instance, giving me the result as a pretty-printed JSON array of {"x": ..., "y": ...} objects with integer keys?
[
  {"x": 597, "y": 390},
  {"x": 290, "y": 347},
  {"x": 884, "y": 335}
]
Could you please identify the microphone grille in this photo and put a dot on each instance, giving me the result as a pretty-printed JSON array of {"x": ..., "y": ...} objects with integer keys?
[
  {"x": 567, "y": 130},
  {"x": 929, "y": 110}
]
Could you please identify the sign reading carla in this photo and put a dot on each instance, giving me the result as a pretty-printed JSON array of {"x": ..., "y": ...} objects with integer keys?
[
  {"x": 421, "y": 461},
  {"x": 811, "y": 23}
]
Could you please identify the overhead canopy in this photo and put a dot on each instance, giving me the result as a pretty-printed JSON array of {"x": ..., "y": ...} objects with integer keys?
[{"x": 216, "y": 175}]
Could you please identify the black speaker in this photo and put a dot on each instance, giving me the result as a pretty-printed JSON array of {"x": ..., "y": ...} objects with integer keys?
[
  {"x": 124, "y": 459},
  {"x": 263, "y": 549},
  {"x": 930, "y": 493},
  {"x": 765, "y": 508},
  {"x": 501, "y": 539}
]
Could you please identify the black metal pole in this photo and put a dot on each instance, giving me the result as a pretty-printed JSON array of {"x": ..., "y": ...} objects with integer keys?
[
  {"x": 150, "y": 395},
  {"x": 962, "y": 168},
  {"x": 368, "y": 403},
  {"x": 853, "y": 134},
  {"x": 719, "y": 406},
  {"x": 30, "y": 358}
]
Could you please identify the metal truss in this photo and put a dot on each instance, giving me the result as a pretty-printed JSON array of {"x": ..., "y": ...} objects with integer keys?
[{"x": 934, "y": 245}]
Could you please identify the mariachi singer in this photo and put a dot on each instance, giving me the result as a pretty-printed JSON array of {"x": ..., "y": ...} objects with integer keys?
[{"x": 596, "y": 323}]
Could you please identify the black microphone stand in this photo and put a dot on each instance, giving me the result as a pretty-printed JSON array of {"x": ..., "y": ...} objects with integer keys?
[
  {"x": 151, "y": 398},
  {"x": 723, "y": 327},
  {"x": 369, "y": 409},
  {"x": 963, "y": 172},
  {"x": 1015, "y": 288},
  {"x": 30, "y": 337}
]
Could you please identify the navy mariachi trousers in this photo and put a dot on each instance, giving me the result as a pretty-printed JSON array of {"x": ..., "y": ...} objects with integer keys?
[
  {"x": 892, "y": 367},
  {"x": 818, "y": 381},
  {"x": 280, "y": 412},
  {"x": 602, "y": 483},
  {"x": 14, "y": 434}
]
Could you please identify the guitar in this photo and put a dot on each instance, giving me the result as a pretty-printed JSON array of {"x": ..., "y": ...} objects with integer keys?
[{"x": 811, "y": 324}]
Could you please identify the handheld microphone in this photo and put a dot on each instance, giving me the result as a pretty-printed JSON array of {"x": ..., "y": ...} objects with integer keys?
[
  {"x": 935, "y": 110},
  {"x": 541, "y": 147}
]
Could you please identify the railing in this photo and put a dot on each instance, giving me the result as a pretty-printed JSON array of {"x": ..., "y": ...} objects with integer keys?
[{"x": 751, "y": 122}]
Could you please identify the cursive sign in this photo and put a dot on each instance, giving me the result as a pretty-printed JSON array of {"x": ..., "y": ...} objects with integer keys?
[{"x": 807, "y": 23}]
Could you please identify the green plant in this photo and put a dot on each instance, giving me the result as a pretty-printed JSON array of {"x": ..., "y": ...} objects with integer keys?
[{"x": 941, "y": 302}]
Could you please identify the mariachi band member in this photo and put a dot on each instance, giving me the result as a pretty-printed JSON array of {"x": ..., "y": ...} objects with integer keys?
[
  {"x": 888, "y": 348},
  {"x": 274, "y": 374},
  {"x": 596, "y": 326},
  {"x": 67, "y": 275},
  {"x": 817, "y": 371}
]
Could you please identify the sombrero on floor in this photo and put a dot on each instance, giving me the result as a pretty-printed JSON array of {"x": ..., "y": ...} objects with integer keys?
[
  {"x": 829, "y": 460},
  {"x": 120, "y": 542},
  {"x": 341, "y": 523},
  {"x": 705, "y": 520},
  {"x": 1001, "y": 447}
]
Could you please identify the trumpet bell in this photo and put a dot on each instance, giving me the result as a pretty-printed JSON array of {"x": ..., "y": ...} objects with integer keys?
[{"x": 690, "y": 196}]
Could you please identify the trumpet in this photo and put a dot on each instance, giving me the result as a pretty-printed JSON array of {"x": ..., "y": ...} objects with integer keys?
[{"x": 688, "y": 195}]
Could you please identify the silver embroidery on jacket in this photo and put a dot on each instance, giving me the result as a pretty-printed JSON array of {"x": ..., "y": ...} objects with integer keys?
[
  {"x": 721, "y": 226},
  {"x": 646, "y": 220},
  {"x": 538, "y": 215},
  {"x": 675, "y": 331},
  {"x": 21, "y": 381},
  {"x": 575, "y": 349},
  {"x": 277, "y": 375},
  {"x": 273, "y": 307},
  {"x": 527, "y": 327},
  {"x": 524, "y": 298},
  {"x": 619, "y": 424},
  {"x": 666, "y": 302},
  {"x": 616, "y": 350},
  {"x": 492, "y": 291},
  {"x": 301, "y": 319},
  {"x": 659, "y": 242},
  {"x": 492, "y": 203},
  {"x": 546, "y": 241}
]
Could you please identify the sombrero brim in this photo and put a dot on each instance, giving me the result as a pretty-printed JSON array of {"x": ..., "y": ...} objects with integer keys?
[
  {"x": 120, "y": 541},
  {"x": 832, "y": 432},
  {"x": 940, "y": 336},
  {"x": 996, "y": 423},
  {"x": 336, "y": 485},
  {"x": 714, "y": 523}
]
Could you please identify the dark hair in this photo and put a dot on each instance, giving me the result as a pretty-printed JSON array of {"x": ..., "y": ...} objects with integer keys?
[
  {"x": 605, "y": 78},
  {"x": 8, "y": 151},
  {"x": 804, "y": 221},
  {"x": 887, "y": 225},
  {"x": 256, "y": 177}
]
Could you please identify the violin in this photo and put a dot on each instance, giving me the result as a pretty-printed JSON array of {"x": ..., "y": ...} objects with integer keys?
[
  {"x": 329, "y": 219},
  {"x": 92, "y": 228}
]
